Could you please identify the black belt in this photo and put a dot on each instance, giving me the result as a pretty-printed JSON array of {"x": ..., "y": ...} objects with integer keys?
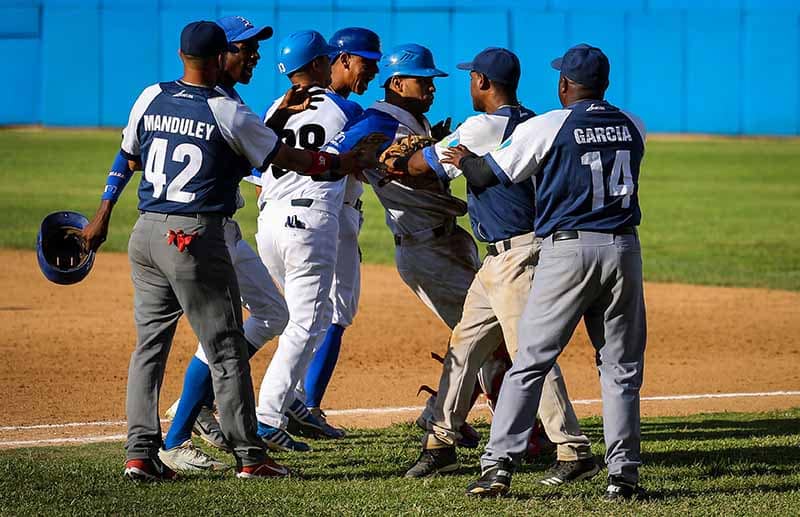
[
  {"x": 492, "y": 250},
  {"x": 568, "y": 235},
  {"x": 437, "y": 232},
  {"x": 305, "y": 202},
  {"x": 357, "y": 205}
]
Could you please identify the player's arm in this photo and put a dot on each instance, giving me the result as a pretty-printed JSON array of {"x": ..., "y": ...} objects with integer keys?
[
  {"x": 119, "y": 175},
  {"x": 248, "y": 136},
  {"x": 475, "y": 169}
]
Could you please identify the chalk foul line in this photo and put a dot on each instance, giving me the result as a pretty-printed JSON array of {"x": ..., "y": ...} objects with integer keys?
[{"x": 344, "y": 412}]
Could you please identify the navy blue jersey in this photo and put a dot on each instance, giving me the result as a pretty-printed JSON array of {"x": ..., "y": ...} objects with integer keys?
[
  {"x": 500, "y": 211},
  {"x": 195, "y": 145},
  {"x": 586, "y": 160}
]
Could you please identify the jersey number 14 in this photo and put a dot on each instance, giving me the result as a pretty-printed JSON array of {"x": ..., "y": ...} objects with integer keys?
[
  {"x": 621, "y": 167},
  {"x": 156, "y": 161}
]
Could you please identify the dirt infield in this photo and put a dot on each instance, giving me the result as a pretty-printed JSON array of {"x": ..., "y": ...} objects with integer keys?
[{"x": 65, "y": 349}]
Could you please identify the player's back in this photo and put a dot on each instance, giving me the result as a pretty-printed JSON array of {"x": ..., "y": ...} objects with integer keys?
[
  {"x": 590, "y": 178},
  {"x": 177, "y": 131},
  {"x": 499, "y": 211},
  {"x": 310, "y": 129}
]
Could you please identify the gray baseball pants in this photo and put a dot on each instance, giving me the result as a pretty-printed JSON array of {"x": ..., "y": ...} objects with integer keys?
[
  {"x": 201, "y": 282},
  {"x": 597, "y": 277}
]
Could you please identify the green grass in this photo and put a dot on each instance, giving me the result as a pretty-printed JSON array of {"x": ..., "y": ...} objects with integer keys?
[
  {"x": 715, "y": 464},
  {"x": 721, "y": 212}
]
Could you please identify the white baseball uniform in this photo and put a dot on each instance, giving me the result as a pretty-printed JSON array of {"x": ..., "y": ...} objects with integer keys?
[{"x": 298, "y": 233}]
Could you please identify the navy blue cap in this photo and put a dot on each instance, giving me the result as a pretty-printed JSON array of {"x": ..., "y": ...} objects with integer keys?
[
  {"x": 584, "y": 64},
  {"x": 205, "y": 39},
  {"x": 239, "y": 28},
  {"x": 498, "y": 64}
]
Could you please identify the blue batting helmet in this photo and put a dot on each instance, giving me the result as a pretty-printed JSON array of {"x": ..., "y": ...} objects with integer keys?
[
  {"x": 408, "y": 60},
  {"x": 358, "y": 41},
  {"x": 300, "y": 48},
  {"x": 61, "y": 250}
]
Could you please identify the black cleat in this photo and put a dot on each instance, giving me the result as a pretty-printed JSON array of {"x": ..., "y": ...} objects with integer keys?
[
  {"x": 621, "y": 490},
  {"x": 563, "y": 472},
  {"x": 434, "y": 461},
  {"x": 495, "y": 481}
]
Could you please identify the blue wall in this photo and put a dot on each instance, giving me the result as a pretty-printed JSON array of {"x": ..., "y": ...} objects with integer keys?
[{"x": 710, "y": 66}]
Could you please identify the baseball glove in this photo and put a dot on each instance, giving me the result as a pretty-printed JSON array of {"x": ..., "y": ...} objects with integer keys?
[{"x": 403, "y": 148}]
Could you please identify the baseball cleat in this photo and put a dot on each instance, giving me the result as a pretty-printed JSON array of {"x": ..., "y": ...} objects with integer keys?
[
  {"x": 330, "y": 431},
  {"x": 434, "y": 461},
  {"x": 188, "y": 458},
  {"x": 206, "y": 426},
  {"x": 621, "y": 490},
  {"x": 495, "y": 481},
  {"x": 266, "y": 469},
  {"x": 563, "y": 472},
  {"x": 148, "y": 470},
  {"x": 303, "y": 423},
  {"x": 279, "y": 440}
]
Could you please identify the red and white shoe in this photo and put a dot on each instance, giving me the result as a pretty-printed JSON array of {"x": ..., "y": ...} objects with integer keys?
[
  {"x": 267, "y": 469},
  {"x": 148, "y": 470}
]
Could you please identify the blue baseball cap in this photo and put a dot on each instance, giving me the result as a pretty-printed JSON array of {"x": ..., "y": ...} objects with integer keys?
[
  {"x": 357, "y": 41},
  {"x": 300, "y": 48},
  {"x": 409, "y": 60},
  {"x": 498, "y": 64},
  {"x": 205, "y": 39},
  {"x": 584, "y": 64},
  {"x": 239, "y": 28}
]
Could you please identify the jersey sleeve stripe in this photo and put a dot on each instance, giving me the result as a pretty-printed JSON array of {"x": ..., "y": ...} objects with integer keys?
[
  {"x": 432, "y": 159},
  {"x": 498, "y": 171}
]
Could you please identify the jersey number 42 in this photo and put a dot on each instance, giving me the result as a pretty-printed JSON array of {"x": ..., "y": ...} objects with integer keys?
[{"x": 156, "y": 162}]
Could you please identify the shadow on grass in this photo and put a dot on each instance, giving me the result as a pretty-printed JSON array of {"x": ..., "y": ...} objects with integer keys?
[{"x": 719, "y": 429}]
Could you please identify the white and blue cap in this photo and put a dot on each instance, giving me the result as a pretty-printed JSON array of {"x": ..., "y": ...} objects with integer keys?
[
  {"x": 410, "y": 60},
  {"x": 239, "y": 28},
  {"x": 300, "y": 48},
  {"x": 498, "y": 64},
  {"x": 584, "y": 64}
]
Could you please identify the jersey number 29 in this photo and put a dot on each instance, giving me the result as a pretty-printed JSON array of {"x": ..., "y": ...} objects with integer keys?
[
  {"x": 621, "y": 167},
  {"x": 154, "y": 169}
]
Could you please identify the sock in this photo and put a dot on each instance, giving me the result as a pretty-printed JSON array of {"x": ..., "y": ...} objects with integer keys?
[
  {"x": 322, "y": 365},
  {"x": 196, "y": 388}
]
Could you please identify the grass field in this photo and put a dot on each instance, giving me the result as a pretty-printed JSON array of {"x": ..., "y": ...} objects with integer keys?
[
  {"x": 721, "y": 464},
  {"x": 721, "y": 212}
]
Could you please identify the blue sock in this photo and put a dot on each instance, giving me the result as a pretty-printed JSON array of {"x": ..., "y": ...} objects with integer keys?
[
  {"x": 196, "y": 388},
  {"x": 322, "y": 365}
]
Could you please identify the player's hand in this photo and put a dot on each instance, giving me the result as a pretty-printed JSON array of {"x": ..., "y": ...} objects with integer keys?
[
  {"x": 96, "y": 232},
  {"x": 441, "y": 129},
  {"x": 363, "y": 155},
  {"x": 298, "y": 99},
  {"x": 454, "y": 155}
]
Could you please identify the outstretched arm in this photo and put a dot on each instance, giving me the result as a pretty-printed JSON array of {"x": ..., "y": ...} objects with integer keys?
[{"x": 475, "y": 169}]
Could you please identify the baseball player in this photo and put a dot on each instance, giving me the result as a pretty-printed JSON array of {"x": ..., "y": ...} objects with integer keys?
[
  {"x": 268, "y": 312},
  {"x": 298, "y": 233},
  {"x": 194, "y": 144},
  {"x": 353, "y": 66},
  {"x": 585, "y": 159},
  {"x": 434, "y": 256},
  {"x": 501, "y": 216}
]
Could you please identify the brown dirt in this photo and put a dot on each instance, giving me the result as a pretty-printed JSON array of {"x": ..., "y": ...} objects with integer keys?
[{"x": 66, "y": 349}]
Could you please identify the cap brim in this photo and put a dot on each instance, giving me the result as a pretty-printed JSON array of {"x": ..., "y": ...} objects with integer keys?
[
  {"x": 465, "y": 66},
  {"x": 430, "y": 72},
  {"x": 367, "y": 54},
  {"x": 256, "y": 33},
  {"x": 556, "y": 63}
]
